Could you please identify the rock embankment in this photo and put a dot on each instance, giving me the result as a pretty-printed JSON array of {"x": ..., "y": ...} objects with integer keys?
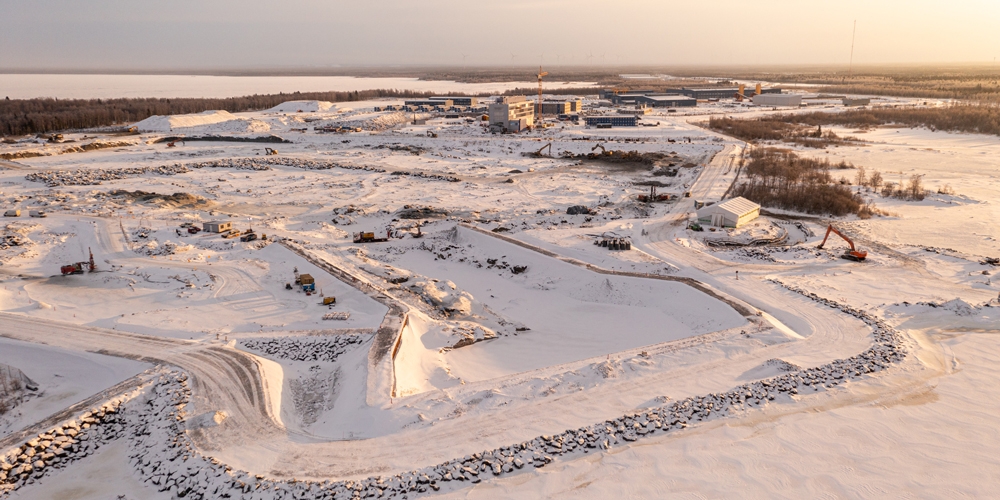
[
  {"x": 166, "y": 459},
  {"x": 60, "y": 446},
  {"x": 327, "y": 348}
]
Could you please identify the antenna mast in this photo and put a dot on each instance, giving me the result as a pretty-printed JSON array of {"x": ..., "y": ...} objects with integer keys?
[{"x": 850, "y": 67}]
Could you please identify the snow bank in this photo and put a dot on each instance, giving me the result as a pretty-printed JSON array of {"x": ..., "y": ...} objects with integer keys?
[
  {"x": 212, "y": 121},
  {"x": 301, "y": 106}
]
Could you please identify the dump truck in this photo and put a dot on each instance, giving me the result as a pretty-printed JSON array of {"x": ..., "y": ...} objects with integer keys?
[
  {"x": 368, "y": 237},
  {"x": 307, "y": 282}
]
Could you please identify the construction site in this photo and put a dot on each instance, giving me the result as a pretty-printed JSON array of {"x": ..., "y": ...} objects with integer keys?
[{"x": 501, "y": 296}]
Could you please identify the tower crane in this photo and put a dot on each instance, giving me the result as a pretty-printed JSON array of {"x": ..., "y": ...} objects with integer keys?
[{"x": 540, "y": 75}]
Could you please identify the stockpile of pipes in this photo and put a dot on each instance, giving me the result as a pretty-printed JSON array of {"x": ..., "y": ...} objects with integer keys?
[{"x": 614, "y": 243}]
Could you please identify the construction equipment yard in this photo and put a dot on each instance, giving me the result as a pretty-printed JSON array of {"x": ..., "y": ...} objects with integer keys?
[{"x": 420, "y": 307}]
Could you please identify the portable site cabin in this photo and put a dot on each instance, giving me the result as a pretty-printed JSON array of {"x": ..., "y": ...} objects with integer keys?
[
  {"x": 308, "y": 283},
  {"x": 730, "y": 213},
  {"x": 217, "y": 226}
]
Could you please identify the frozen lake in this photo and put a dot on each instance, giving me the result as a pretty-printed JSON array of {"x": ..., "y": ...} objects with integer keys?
[{"x": 28, "y": 86}]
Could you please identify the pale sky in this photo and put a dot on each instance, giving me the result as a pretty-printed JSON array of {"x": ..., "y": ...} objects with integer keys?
[{"x": 206, "y": 34}]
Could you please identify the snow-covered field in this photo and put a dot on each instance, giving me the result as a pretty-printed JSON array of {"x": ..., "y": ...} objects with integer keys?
[{"x": 490, "y": 318}]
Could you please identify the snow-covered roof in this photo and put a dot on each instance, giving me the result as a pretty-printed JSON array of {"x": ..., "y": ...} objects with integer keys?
[{"x": 738, "y": 205}]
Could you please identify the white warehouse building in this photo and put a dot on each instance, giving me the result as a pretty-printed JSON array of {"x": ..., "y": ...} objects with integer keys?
[
  {"x": 777, "y": 100},
  {"x": 730, "y": 213}
]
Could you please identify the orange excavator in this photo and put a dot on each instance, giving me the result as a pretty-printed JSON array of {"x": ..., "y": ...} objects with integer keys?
[{"x": 855, "y": 254}]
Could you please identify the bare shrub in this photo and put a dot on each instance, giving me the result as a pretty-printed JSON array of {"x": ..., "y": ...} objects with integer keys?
[
  {"x": 946, "y": 189},
  {"x": 860, "y": 178},
  {"x": 875, "y": 180},
  {"x": 915, "y": 188},
  {"x": 767, "y": 128}
]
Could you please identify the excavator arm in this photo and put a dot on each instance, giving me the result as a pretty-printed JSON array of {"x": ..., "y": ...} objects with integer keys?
[{"x": 853, "y": 254}]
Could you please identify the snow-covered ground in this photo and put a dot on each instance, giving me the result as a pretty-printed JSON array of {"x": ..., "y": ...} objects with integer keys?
[{"x": 491, "y": 317}]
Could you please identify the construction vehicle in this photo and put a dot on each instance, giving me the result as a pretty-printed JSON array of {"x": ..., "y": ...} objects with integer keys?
[
  {"x": 78, "y": 267},
  {"x": 270, "y": 152},
  {"x": 652, "y": 196},
  {"x": 307, "y": 282},
  {"x": 741, "y": 93},
  {"x": 539, "y": 154},
  {"x": 231, "y": 234},
  {"x": 366, "y": 237},
  {"x": 37, "y": 213},
  {"x": 329, "y": 301},
  {"x": 855, "y": 254},
  {"x": 432, "y": 134},
  {"x": 248, "y": 237},
  {"x": 599, "y": 145}
]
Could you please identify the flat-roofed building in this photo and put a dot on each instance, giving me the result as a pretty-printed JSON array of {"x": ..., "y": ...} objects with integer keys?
[
  {"x": 665, "y": 101},
  {"x": 217, "y": 226},
  {"x": 778, "y": 100},
  {"x": 429, "y": 102},
  {"x": 458, "y": 101},
  {"x": 512, "y": 114},
  {"x": 554, "y": 108},
  {"x": 612, "y": 121}
]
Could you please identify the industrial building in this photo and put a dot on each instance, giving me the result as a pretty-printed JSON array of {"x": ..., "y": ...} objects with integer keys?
[
  {"x": 217, "y": 226},
  {"x": 457, "y": 101},
  {"x": 612, "y": 121},
  {"x": 722, "y": 93},
  {"x": 778, "y": 100},
  {"x": 554, "y": 108},
  {"x": 429, "y": 102},
  {"x": 632, "y": 97},
  {"x": 611, "y": 93},
  {"x": 638, "y": 110},
  {"x": 512, "y": 114},
  {"x": 665, "y": 101},
  {"x": 730, "y": 213}
]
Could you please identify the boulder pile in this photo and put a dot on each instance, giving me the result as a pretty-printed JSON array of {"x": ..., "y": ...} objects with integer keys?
[
  {"x": 60, "y": 446},
  {"x": 327, "y": 348},
  {"x": 95, "y": 176}
]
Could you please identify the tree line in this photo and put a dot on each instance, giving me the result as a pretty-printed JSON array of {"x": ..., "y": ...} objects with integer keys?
[
  {"x": 33, "y": 116},
  {"x": 781, "y": 179}
]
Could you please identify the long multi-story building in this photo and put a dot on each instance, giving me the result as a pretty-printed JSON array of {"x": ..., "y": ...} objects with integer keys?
[
  {"x": 612, "y": 121},
  {"x": 429, "y": 102},
  {"x": 717, "y": 93},
  {"x": 665, "y": 101},
  {"x": 458, "y": 101},
  {"x": 512, "y": 114}
]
